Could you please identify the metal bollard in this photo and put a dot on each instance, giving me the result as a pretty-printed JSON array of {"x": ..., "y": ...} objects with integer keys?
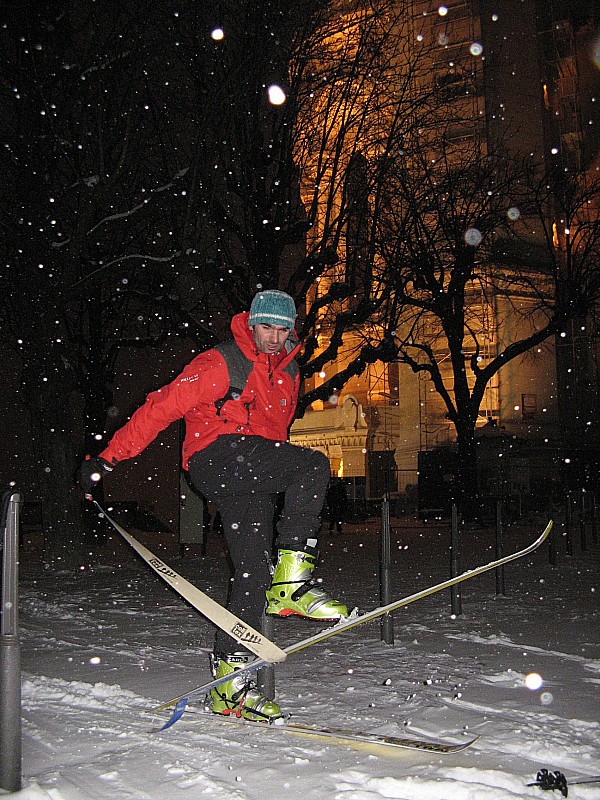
[
  {"x": 552, "y": 549},
  {"x": 10, "y": 654},
  {"x": 500, "y": 582},
  {"x": 266, "y": 676},
  {"x": 385, "y": 568},
  {"x": 583, "y": 522},
  {"x": 455, "y": 592},
  {"x": 569, "y": 524}
]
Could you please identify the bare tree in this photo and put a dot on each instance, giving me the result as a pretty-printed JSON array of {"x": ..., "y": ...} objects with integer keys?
[
  {"x": 151, "y": 187},
  {"x": 281, "y": 195},
  {"x": 354, "y": 76},
  {"x": 456, "y": 236},
  {"x": 568, "y": 206},
  {"x": 90, "y": 191}
]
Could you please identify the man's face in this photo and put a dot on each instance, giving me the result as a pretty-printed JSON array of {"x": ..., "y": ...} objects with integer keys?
[{"x": 270, "y": 338}]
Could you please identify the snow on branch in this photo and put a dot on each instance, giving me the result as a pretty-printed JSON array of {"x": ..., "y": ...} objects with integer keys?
[
  {"x": 129, "y": 212},
  {"x": 120, "y": 259}
]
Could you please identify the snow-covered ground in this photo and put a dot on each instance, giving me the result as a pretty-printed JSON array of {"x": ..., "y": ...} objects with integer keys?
[{"x": 102, "y": 645}]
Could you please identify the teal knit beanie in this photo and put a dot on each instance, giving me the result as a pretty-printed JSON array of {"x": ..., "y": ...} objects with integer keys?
[{"x": 272, "y": 307}]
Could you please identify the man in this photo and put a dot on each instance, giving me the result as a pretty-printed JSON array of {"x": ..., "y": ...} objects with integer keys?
[{"x": 238, "y": 401}]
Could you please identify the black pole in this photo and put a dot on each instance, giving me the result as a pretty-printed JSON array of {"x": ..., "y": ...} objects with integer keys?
[
  {"x": 500, "y": 582},
  {"x": 583, "y": 522},
  {"x": 385, "y": 563},
  {"x": 455, "y": 563},
  {"x": 266, "y": 675},
  {"x": 552, "y": 550},
  {"x": 10, "y": 655},
  {"x": 569, "y": 524}
]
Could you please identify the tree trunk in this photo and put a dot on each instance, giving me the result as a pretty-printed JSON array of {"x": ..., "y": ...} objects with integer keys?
[
  {"x": 56, "y": 422},
  {"x": 468, "y": 489}
]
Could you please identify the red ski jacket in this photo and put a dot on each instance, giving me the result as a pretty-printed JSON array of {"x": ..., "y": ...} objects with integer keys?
[{"x": 265, "y": 407}]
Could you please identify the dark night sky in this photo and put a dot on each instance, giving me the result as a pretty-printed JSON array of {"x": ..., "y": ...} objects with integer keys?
[{"x": 578, "y": 11}]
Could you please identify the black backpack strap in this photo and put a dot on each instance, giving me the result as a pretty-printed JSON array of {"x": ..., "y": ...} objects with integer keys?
[
  {"x": 239, "y": 368},
  {"x": 292, "y": 369}
]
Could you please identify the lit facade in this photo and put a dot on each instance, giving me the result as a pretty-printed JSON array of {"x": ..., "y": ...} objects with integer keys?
[{"x": 521, "y": 74}]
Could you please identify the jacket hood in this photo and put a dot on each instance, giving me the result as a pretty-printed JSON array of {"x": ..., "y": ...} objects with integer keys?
[{"x": 242, "y": 333}]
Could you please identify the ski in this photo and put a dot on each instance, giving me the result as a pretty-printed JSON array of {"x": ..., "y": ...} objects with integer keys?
[
  {"x": 352, "y": 622},
  {"x": 266, "y": 650},
  {"x": 343, "y": 736}
]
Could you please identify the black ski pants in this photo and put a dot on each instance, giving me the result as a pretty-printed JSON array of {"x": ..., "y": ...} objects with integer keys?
[{"x": 242, "y": 475}]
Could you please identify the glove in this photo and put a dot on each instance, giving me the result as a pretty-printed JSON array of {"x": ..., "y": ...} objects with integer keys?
[{"x": 91, "y": 472}]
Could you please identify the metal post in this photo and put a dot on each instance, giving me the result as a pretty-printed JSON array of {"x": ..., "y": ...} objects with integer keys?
[
  {"x": 385, "y": 564},
  {"x": 455, "y": 563},
  {"x": 583, "y": 522},
  {"x": 10, "y": 656},
  {"x": 500, "y": 583},
  {"x": 266, "y": 676},
  {"x": 552, "y": 551},
  {"x": 569, "y": 524}
]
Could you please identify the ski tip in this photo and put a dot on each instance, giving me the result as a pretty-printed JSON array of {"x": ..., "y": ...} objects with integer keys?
[
  {"x": 547, "y": 529},
  {"x": 463, "y": 745}
]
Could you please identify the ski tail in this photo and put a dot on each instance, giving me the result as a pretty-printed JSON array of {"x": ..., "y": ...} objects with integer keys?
[
  {"x": 243, "y": 633},
  {"x": 177, "y": 713}
]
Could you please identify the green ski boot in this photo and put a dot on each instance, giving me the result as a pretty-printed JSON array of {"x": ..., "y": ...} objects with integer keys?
[
  {"x": 293, "y": 591},
  {"x": 239, "y": 696}
]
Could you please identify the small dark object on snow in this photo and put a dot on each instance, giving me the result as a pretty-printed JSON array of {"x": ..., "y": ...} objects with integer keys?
[{"x": 551, "y": 780}]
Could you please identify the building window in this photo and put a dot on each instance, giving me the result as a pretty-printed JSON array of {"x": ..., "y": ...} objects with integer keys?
[{"x": 528, "y": 406}]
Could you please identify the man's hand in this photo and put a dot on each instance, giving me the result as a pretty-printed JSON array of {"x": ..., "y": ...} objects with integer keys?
[{"x": 91, "y": 472}]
